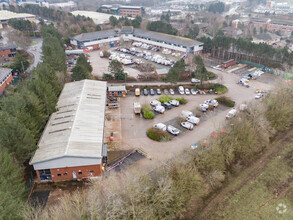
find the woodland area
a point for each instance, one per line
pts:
(242, 48)
(23, 116)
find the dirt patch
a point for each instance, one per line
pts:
(56, 191)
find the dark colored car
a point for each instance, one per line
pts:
(152, 92)
(167, 105)
(145, 92)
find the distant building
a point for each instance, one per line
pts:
(72, 143)
(5, 78)
(265, 24)
(268, 38)
(123, 10)
(232, 32)
(160, 40)
(7, 51)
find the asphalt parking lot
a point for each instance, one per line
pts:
(134, 127)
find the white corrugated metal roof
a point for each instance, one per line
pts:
(76, 129)
(116, 88)
(6, 15)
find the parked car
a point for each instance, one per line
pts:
(174, 103)
(181, 90)
(166, 92)
(152, 92)
(193, 80)
(193, 92)
(187, 92)
(187, 125)
(167, 105)
(231, 113)
(159, 108)
(258, 95)
(155, 102)
(171, 92)
(212, 102)
(145, 92)
(159, 92)
(193, 146)
(160, 126)
(192, 119)
(137, 92)
(173, 130)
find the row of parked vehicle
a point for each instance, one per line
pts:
(139, 53)
(161, 107)
(189, 123)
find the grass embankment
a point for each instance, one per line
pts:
(186, 183)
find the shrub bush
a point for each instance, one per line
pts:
(147, 112)
(107, 76)
(106, 54)
(226, 101)
(158, 135)
(220, 89)
(165, 98)
(182, 100)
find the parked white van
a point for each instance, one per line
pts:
(160, 126)
(192, 119)
(159, 108)
(185, 114)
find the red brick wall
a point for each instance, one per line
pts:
(4, 85)
(132, 12)
(4, 53)
(86, 172)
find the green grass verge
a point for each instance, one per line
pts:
(226, 101)
(182, 100)
(165, 98)
(158, 135)
(147, 112)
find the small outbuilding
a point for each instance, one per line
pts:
(117, 91)
(161, 72)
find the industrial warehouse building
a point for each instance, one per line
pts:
(95, 40)
(72, 144)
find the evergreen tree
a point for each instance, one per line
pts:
(12, 190)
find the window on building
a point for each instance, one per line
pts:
(79, 172)
(91, 171)
(64, 174)
(59, 174)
